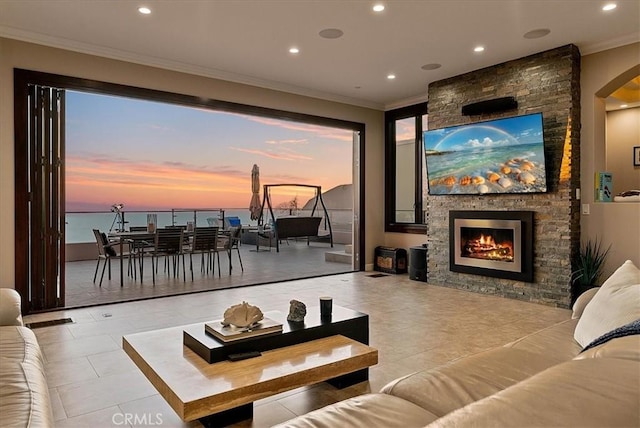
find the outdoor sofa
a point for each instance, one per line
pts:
(296, 227)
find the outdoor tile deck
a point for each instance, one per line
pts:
(294, 261)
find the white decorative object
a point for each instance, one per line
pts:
(242, 315)
(152, 223)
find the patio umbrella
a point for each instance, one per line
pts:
(254, 206)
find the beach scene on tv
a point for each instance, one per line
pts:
(498, 156)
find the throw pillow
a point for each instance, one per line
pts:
(630, 329)
(616, 303)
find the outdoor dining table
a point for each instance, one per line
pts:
(130, 237)
(137, 236)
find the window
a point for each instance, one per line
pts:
(405, 172)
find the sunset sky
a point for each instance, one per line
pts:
(156, 156)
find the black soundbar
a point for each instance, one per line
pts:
(490, 106)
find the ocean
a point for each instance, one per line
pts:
(80, 225)
(454, 166)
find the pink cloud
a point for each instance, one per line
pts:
(280, 156)
(405, 130)
(92, 179)
(325, 132)
(300, 141)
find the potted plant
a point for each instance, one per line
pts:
(587, 267)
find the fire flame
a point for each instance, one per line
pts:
(486, 247)
(487, 240)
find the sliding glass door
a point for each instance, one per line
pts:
(44, 162)
(40, 226)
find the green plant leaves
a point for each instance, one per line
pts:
(589, 263)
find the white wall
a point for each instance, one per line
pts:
(614, 223)
(40, 58)
(623, 133)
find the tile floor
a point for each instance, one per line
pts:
(414, 326)
(295, 260)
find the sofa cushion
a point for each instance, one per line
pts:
(20, 344)
(615, 304)
(24, 394)
(10, 311)
(627, 348)
(369, 410)
(555, 341)
(582, 301)
(596, 392)
(452, 386)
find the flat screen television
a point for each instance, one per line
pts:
(496, 156)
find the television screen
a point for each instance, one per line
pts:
(496, 156)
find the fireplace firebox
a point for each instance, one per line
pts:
(492, 243)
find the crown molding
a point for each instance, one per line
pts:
(120, 55)
(421, 98)
(627, 39)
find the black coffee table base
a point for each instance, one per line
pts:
(349, 379)
(228, 417)
(244, 412)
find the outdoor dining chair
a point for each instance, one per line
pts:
(233, 243)
(169, 244)
(205, 242)
(106, 251)
(141, 248)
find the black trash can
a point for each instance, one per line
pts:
(418, 263)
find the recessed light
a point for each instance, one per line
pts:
(331, 33)
(144, 10)
(391, 76)
(624, 106)
(294, 50)
(609, 6)
(378, 7)
(432, 66)
(478, 49)
(536, 34)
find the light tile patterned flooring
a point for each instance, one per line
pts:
(414, 326)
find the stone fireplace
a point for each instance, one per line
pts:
(492, 243)
(547, 82)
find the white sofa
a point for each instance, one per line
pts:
(540, 380)
(24, 394)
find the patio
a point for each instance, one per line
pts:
(295, 260)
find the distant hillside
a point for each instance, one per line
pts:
(338, 198)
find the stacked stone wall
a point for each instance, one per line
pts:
(549, 83)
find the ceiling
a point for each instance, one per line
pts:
(626, 96)
(248, 41)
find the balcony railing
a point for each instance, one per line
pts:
(79, 224)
